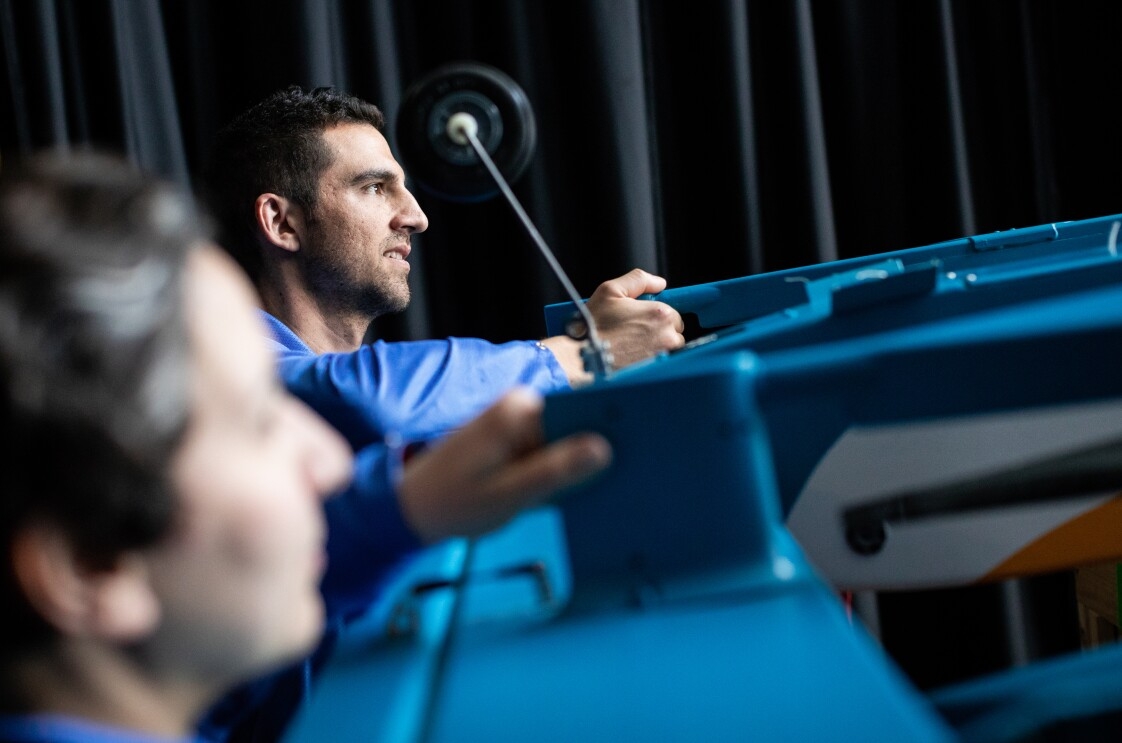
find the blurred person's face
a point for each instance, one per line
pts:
(238, 578)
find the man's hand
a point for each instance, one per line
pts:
(634, 329)
(481, 476)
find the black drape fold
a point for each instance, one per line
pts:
(964, 201)
(616, 31)
(744, 141)
(150, 118)
(814, 135)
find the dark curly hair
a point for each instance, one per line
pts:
(276, 146)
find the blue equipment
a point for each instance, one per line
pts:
(937, 416)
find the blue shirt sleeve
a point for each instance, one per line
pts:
(368, 539)
(415, 390)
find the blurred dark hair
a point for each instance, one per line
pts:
(94, 357)
(276, 146)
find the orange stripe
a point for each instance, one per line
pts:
(1095, 536)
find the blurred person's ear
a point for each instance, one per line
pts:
(114, 603)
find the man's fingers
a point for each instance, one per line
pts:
(498, 464)
(560, 464)
(512, 427)
(663, 315)
(634, 283)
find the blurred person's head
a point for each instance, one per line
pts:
(161, 512)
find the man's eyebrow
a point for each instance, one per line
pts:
(376, 174)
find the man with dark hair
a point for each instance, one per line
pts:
(314, 205)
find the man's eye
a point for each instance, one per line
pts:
(374, 188)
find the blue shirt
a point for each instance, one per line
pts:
(63, 729)
(412, 390)
(381, 398)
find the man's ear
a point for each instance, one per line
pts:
(115, 603)
(279, 220)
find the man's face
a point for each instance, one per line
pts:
(356, 243)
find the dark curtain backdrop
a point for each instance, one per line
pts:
(702, 141)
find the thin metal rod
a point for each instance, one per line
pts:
(593, 336)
